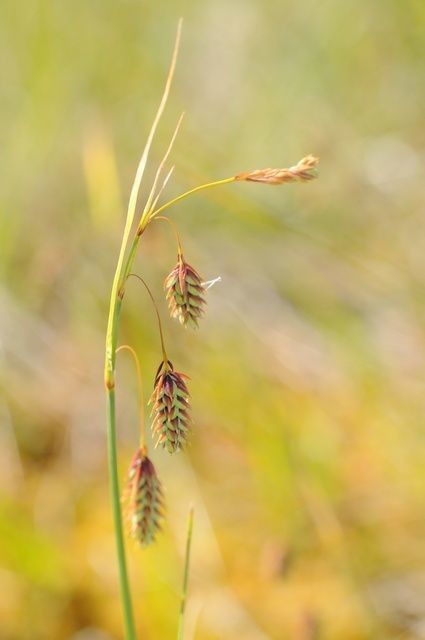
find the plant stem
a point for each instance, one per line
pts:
(130, 632)
(115, 305)
(110, 359)
(180, 630)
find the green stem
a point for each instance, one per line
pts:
(130, 631)
(180, 631)
(111, 346)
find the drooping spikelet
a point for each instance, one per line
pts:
(185, 293)
(304, 171)
(170, 408)
(143, 499)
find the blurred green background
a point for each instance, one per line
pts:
(307, 374)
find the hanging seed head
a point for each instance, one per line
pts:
(143, 499)
(170, 408)
(185, 293)
(304, 171)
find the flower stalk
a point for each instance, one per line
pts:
(158, 317)
(126, 347)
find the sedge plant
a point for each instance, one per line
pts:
(185, 292)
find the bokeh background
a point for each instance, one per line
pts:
(306, 463)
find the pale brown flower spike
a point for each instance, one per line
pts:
(185, 292)
(170, 408)
(304, 171)
(143, 499)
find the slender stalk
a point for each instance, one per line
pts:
(180, 631)
(126, 347)
(161, 333)
(176, 232)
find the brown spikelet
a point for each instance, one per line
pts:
(170, 408)
(304, 171)
(143, 499)
(185, 293)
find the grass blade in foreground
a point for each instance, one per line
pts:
(180, 631)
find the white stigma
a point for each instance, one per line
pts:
(210, 283)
